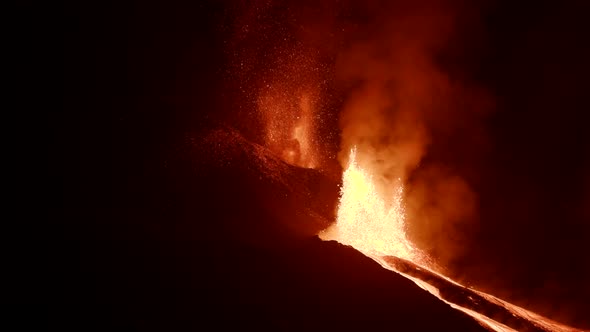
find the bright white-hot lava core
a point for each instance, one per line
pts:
(368, 222)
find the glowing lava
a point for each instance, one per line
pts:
(366, 221)
(376, 227)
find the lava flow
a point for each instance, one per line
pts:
(376, 227)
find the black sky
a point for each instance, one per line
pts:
(142, 244)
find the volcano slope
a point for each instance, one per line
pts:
(222, 236)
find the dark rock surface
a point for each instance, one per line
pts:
(210, 246)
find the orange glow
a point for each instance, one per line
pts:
(289, 125)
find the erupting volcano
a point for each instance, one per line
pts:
(320, 165)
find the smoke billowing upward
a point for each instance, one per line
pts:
(402, 103)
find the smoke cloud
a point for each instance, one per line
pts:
(403, 106)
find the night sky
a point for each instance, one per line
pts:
(154, 236)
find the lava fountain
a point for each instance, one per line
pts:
(367, 222)
(376, 227)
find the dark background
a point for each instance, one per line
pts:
(144, 241)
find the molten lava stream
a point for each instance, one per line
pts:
(376, 228)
